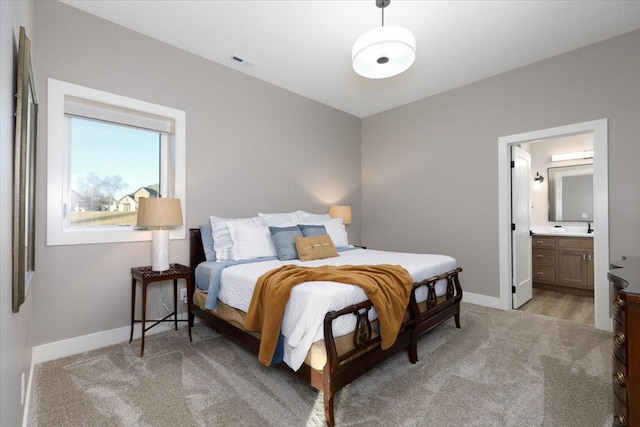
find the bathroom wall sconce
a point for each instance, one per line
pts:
(538, 178)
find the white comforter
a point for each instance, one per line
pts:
(302, 324)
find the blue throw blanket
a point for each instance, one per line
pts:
(209, 273)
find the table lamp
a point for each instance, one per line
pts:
(159, 212)
(343, 212)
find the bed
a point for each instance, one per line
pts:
(341, 340)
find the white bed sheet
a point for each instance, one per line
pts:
(303, 319)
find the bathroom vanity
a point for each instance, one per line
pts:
(563, 263)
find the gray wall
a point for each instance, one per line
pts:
(251, 147)
(15, 329)
(430, 168)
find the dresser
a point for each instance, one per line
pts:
(562, 263)
(624, 279)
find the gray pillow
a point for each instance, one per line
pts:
(283, 241)
(207, 242)
(312, 230)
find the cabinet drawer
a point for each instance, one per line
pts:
(575, 243)
(619, 341)
(617, 305)
(619, 371)
(543, 256)
(619, 413)
(543, 274)
(543, 242)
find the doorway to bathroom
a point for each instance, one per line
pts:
(598, 130)
(559, 192)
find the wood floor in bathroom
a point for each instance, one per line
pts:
(563, 306)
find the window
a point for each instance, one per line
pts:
(111, 167)
(105, 152)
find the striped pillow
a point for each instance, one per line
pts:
(222, 242)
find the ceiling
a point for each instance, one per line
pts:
(305, 46)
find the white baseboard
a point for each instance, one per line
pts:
(483, 300)
(27, 398)
(56, 350)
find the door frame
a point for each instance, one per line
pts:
(599, 130)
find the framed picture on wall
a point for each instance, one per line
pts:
(24, 174)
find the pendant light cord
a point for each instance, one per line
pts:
(383, 16)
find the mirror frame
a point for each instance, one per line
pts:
(571, 170)
(24, 174)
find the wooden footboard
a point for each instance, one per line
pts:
(434, 310)
(342, 369)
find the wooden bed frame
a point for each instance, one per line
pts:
(342, 369)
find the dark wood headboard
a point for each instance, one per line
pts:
(196, 251)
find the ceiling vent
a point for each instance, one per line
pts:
(240, 60)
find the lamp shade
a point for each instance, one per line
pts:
(343, 212)
(159, 212)
(383, 52)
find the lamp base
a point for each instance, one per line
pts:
(160, 257)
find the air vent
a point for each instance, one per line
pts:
(241, 60)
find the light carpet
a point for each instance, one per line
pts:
(501, 369)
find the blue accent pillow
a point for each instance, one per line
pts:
(207, 242)
(312, 230)
(283, 241)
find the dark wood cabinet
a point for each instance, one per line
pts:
(624, 278)
(563, 264)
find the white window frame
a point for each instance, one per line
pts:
(173, 169)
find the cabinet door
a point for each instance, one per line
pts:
(573, 268)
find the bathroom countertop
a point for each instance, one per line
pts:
(565, 230)
(565, 234)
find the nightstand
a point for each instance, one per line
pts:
(146, 276)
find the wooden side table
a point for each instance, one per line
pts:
(146, 276)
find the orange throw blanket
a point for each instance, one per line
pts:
(387, 286)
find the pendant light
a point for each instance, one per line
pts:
(385, 51)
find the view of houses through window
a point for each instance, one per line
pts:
(112, 167)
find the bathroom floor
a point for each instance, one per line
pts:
(562, 306)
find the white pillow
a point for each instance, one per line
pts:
(306, 217)
(222, 242)
(335, 230)
(280, 219)
(250, 240)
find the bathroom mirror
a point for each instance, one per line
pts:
(571, 193)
